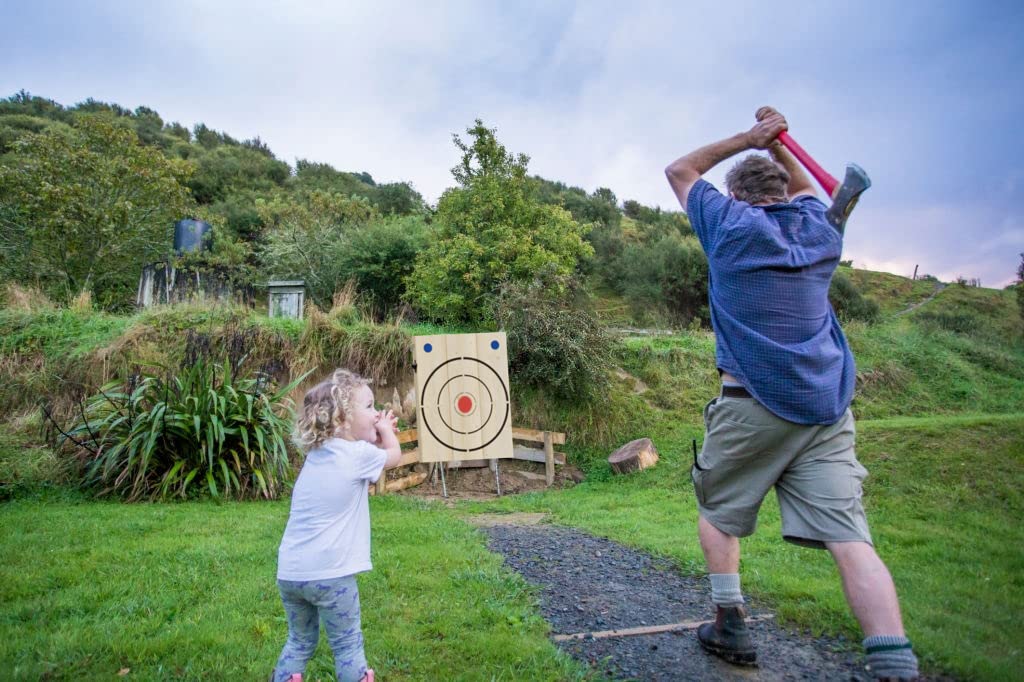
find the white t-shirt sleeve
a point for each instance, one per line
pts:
(368, 460)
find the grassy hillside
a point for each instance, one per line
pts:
(960, 352)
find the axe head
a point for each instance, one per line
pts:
(846, 195)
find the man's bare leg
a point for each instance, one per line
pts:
(871, 594)
(868, 588)
(728, 636)
(721, 550)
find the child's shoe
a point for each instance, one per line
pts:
(368, 677)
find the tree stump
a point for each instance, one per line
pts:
(634, 456)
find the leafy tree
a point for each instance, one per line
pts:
(15, 126)
(310, 175)
(148, 125)
(92, 106)
(210, 138)
(491, 230)
(398, 198)
(601, 207)
(226, 168)
(238, 209)
(23, 102)
(304, 235)
(85, 212)
(179, 131)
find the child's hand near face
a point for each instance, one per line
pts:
(387, 423)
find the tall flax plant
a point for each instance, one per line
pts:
(161, 436)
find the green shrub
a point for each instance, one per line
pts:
(379, 255)
(670, 272)
(156, 436)
(848, 302)
(553, 342)
(959, 321)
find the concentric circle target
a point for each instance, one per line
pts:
(467, 401)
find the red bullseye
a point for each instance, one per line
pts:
(464, 404)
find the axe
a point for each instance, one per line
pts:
(844, 196)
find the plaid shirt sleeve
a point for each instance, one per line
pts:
(706, 207)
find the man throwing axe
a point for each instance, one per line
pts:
(782, 419)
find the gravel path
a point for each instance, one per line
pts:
(591, 584)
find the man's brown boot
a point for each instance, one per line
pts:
(728, 637)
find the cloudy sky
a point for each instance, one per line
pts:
(926, 96)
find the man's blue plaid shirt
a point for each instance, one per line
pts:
(769, 273)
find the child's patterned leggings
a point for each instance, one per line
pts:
(336, 603)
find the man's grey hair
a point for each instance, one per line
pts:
(757, 180)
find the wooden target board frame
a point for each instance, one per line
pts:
(464, 407)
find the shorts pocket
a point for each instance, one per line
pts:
(697, 475)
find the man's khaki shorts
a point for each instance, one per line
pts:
(816, 475)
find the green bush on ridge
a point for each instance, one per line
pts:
(849, 303)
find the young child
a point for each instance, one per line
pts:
(327, 539)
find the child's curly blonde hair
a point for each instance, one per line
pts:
(325, 408)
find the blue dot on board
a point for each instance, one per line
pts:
(494, 345)
(428, 347)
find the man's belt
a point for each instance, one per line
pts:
(735, 392)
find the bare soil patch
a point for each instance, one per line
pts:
(517, 476)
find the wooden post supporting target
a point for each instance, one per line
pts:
(464, 406)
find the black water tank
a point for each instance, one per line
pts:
(189, 234)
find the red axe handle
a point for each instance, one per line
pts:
(820, 174)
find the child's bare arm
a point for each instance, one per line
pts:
(387, 427)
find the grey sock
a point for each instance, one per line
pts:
(725, 589)
(891, 656)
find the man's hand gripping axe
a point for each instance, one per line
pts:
(845, 195)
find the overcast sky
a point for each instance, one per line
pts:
(926, 96)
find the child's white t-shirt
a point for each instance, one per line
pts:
(328, 531)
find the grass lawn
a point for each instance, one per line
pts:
(187, 591)
(944, 499)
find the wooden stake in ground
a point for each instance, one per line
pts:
(634, 456)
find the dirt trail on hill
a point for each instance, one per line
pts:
(938, 287)
(590, 584)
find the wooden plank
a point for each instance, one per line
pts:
(533, 455)
(408, 436)
(409, 457)
(549, 460)
(645, 630)
(406, 481)
(464, 385)
(492, 352)
(400, 483)
(431, 411)
(535, 436)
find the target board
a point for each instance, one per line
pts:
(462, 383)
